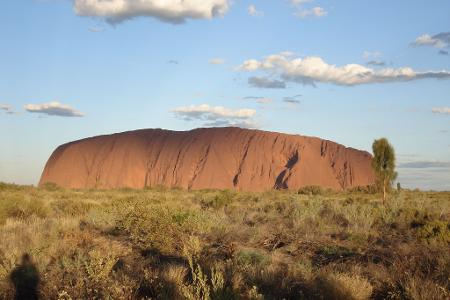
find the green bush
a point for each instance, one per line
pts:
(159, 227)
(311, 190)
(435, 230)
(252, 258)
(217, 200)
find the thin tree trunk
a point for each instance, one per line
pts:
(384, 189)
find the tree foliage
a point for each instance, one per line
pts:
(383, 164)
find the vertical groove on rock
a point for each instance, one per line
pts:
(200, 166)
(239, 170)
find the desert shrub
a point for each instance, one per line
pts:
(252, 258)
(4, 187)
(328, 254)
(99, 264)
(421, 289)
(216, 200)
(199, 288)
(159, 227)
(311, 190)
(200, 285)
(20, 207)
(367, 189)
(72, 207)
(51, 187)
(435, 230)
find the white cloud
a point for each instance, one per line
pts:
(249, 65)
(213, 112)
(172, 11)
(217, 115)
(254, 12)
(312, 69)
(440, 40)
(53, 109)
(315, 12)
(441, 110)
(217, 61)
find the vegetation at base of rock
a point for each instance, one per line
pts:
(173, 244)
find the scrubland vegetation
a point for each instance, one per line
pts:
(174, 244)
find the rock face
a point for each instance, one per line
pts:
(222, 158)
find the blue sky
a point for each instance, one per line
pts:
(349, 71)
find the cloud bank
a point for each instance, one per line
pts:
(425, 178)
(424, 164)
(426, 174)
(313, 69)
(217, 116)
(53, 109)
(171, 11)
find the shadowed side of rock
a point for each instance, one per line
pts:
(222, 158)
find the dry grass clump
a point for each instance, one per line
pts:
(165, 243)
(344, 286)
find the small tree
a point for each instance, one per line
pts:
(383, 164)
